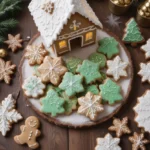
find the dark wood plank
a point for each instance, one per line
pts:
(53, 137)
(86, 139)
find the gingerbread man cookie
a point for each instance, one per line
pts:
(29, 133)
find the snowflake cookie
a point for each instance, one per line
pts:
(6, 69)
(146, 49)
(145, 72)
(117, 68)
(8, 114)
(90, 71)
(120, 127)
(142, 111)
(35, 54)
(52, 70)
(90, 105)
(138, 141)
(108, 143)
(72, 84)
(33, 87)
(110, 92)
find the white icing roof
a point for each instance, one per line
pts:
(50, 25)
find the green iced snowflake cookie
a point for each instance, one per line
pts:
(132, 32)
(98, 58)
(90, 71)
(109, 47)
(110, 92)
(70, 103)
(93, 89)
(52, 103)
(72, 84)
(72, 64)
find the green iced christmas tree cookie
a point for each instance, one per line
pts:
(72, 64)
(55, 88)
(72, 84)
(110, 92)
(90, 71)
(52, 103)
(109, 47)
(132, 33)
(98, 58)
(93, 89)
(70, 103)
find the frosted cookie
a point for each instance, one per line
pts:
(8, 114)
(145, 72)
(132, 33)
(98, 58)
(120, 127)
(33, 87)
(110, 92)
(35, 71)
(142, 111)
(72, 84)
(138, 141)
(52, 70)
(92, 88)
(117, 68)
(72, 64)
(90, 105)
(109, 47)
(29, 133)
(108, 143)
(52, 103)
(146, 49)
(90, 71)
(35, 54)
(6, 70)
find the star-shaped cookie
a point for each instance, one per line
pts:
(52, 70)
(146, 49)
(116, 68)
(138, 141)
(14, 42)
(90, 105)
(35, 54)
(120, 127)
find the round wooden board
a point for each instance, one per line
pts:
(75, 120)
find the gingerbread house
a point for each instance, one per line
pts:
(61, 21)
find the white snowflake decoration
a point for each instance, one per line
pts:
(108, 143)
(146, 49)
(145, 72)
(113, 21)
(142, 109)
(8, 114)
(116, 68)
(33, 87)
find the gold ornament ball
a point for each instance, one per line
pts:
(3, 53)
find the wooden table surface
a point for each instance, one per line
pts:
(58, 138)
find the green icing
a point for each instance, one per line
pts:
(104, 76)
(36, 72)
(108, 46)
(98, 58)
(72, 84)
(70, 103)
(90, 71)
(110, 92)
(52, 103)
(72, 64)
(93, 89)
(133, 33)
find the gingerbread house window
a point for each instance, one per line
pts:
(89, 36)
(62, 44)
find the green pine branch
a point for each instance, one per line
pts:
(1, 40)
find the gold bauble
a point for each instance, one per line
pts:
(3, 53)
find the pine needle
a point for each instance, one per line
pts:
(1, 40)
(9, 23)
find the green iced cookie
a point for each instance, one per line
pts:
(132, 32)
(109, 47)
(110, 92)
(98, 58)
(70, 103)
(72, 64)
(90, 71)
(104, 76)
(93, 89)
(52, 103)
(72, 84)
(35, 71)
(55, 88)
